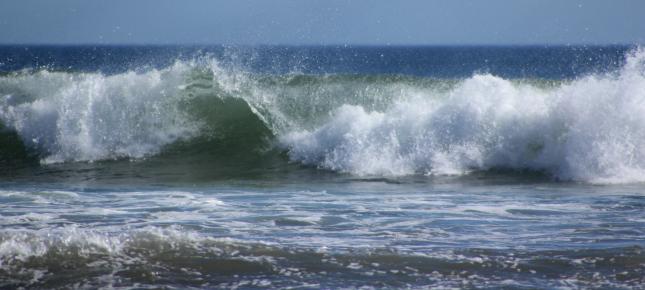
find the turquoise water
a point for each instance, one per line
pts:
(323, 167)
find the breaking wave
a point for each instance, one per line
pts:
(588, 129)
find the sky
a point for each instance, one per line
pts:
(331, 22)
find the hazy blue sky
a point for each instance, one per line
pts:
(322, 22)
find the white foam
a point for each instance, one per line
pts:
(91, 116)
(590, 129)
(23, 244)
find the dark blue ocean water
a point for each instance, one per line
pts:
(322, 167)
(549, 62)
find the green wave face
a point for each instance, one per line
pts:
(191, 107)
(12, 150)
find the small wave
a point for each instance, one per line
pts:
(153, 256)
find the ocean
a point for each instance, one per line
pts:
(201, 167)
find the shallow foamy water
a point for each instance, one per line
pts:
(350, 234)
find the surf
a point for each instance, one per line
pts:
(588, 129)
(585, 129)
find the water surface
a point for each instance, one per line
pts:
(322, 167)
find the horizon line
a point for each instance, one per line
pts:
(328, 44)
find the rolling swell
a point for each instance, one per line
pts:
(587, 129)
